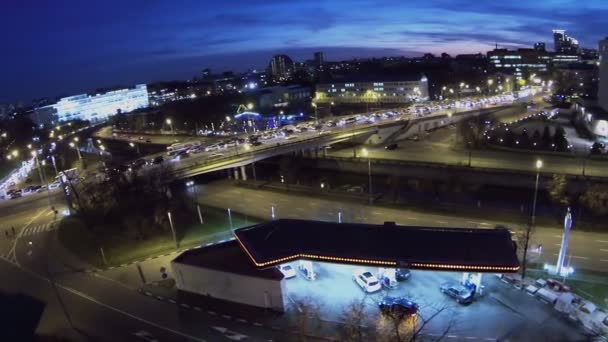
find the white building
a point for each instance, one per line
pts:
(378, 90)
(602, 95)
(99, 107)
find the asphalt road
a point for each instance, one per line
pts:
(588, 250)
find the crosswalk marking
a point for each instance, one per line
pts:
(47, 227)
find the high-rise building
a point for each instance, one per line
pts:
(563, 43)
(520, 62)
(540, 46)
(602, 95)
(319, 59)
(280, 67)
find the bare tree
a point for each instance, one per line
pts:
(356, 322)
(308, 320)
(398, 327)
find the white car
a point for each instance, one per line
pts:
(287, 270)
(54, 186)
(213, 147)
(366, 280)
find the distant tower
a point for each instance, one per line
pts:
(319, 60)
(280, 67)
(540, 46)
(559, 37)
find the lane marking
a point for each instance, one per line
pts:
(604, 260)
(580, 257)
(602, 241)
(12, 250)
(604, 250)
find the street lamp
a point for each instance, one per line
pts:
(74, 146)
(15, 153)
(170, 123)
(365, 153)
(250, 106)
(539, 165)
(135, 146)
(314, 105)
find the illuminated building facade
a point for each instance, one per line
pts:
(564, 44)
(99, 107)
(381, 89)
(520, 62)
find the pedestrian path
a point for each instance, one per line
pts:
(47, 227)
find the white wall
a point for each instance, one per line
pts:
(260, 292)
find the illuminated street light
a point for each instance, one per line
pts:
(365, 153)
(250, 106)
(15, 153)
(539, 164)
(490, 82)
(170, 123)
(29, 146)
(228, 118)
(4, 135)
(76, 139)
(9, 157)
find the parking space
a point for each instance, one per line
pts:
(486, 318)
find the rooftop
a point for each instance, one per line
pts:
(354, 78)
(390, 245)
(227, 257)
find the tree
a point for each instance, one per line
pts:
(558, 190)
(596, 199)
(397, 327)
(524, 140)
(546, 140)
(356, 322)
(559, 139)
(308, 320)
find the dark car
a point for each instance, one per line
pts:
(402, 274)
(256, 143)
(138, 163)
(397, 306)
(461, 294)
(158, 160)
(391, 147)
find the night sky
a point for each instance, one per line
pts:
(58, 47)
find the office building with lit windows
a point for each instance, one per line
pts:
(99, 107)
(520, 62)
(564, 44)
(379, 89)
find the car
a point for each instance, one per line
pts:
(366, 280)
(140, 138)
(256, 143)
(216, 155)
(148, 141)
(212, 147)
(402, 274)
(42, 188)
(397, 306)
(14, 194)
(287, 270)
(391, 147)
(158, 160)
(138, 163)
(54, 185)
(461, 294)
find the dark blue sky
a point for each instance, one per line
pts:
(64, 47)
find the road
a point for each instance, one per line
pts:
(588, 250)
(101, 308)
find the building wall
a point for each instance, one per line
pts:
(371, 92)
(101, 106)
(260, 292)
(603, 86)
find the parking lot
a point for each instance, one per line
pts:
(500, 312)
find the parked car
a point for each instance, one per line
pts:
(158, 160)
(391, 147)
(461, 294)
(397, 306)
(256, 143)
(366, 280)
(287, 270)
(402, 274)
(54, 185)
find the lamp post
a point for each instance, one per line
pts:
(74, 146)
(314, 105)
(528, 232)
(539, 165)
(135, 146)
(170, 123)
(365, 153)
(42, 177)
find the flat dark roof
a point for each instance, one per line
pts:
(388, 245)
(227, 257)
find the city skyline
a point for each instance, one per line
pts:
(73, 51)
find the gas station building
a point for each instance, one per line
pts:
(244, 270)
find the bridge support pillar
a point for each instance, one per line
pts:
(236, 173)
(228, 173)
(243, 173)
